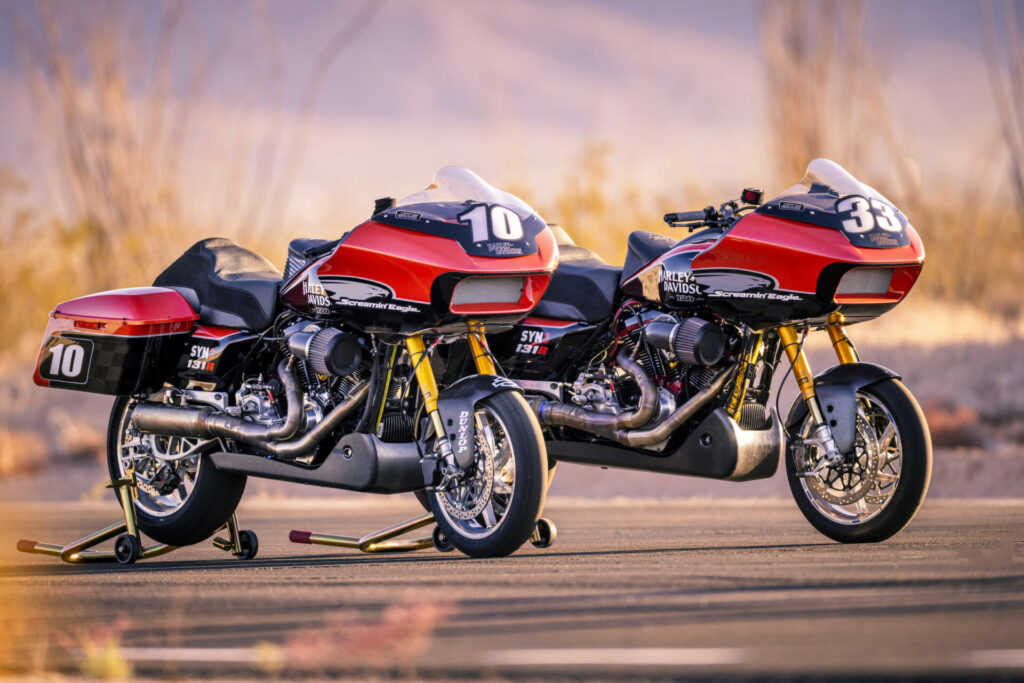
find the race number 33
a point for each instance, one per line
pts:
(67, 360)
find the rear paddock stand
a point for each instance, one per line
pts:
(128, 545)
(544, 534)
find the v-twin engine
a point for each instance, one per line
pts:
(677, 367)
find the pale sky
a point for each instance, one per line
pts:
(514, 90)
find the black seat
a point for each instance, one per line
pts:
(582, 288)
(642, 248)
(228, 285)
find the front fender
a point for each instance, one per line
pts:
(836, 389)
(457, 403)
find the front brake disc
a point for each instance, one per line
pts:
(467, 497)
(834, 484)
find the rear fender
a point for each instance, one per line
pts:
(836, 389)
(457, 403)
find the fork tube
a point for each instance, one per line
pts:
(478, 346)
(425, 378)
(844, 348)
(801, 370)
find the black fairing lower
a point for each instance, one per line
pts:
(836, 389)
(360, 462)
(457, 405)
(716, 449)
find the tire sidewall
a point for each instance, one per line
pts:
(915, 472)
(530, 484)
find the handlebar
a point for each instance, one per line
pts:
(687, 216)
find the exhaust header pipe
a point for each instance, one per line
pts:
(207, 423)
(622, 428)
(566, 415)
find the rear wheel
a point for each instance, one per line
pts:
(182, 498)
(491, 508)
(879, 487)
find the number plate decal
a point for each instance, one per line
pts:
(66, 360)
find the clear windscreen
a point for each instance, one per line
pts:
(826, 174)
(459, 185)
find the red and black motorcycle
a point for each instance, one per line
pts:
(327, 375)
(666, 364)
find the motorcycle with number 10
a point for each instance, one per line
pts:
(328, 374)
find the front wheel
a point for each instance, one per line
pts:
(878, 488)
(491, 509)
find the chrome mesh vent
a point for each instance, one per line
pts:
(488, 290)
(865, 281)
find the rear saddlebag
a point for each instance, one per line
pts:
(121, 342)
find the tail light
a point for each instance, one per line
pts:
(498, 294)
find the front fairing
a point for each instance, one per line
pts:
(460, 206)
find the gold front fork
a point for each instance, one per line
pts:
(425, 372)
(425, 378)
(844, 348)
(478, 346)
(846, 352)
(801, 370)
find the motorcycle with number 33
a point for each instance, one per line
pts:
(666, 364)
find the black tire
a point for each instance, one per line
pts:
(529, 488)
(915, 472)
(209, 506)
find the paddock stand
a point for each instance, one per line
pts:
(128, 545)
(544, 534)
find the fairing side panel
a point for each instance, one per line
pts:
(770, 270)
(541, 348)
(383, 278)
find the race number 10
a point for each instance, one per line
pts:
(68, 361)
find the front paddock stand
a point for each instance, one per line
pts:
(128, 546)
(381, 541)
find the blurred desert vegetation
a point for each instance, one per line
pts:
(116, 106)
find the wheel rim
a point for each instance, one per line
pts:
(476, 505)
(864, 484)
(166, 467)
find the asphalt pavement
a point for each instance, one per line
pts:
(703, 589)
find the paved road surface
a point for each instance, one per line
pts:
(714, 588)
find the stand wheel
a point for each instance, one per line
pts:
(127, 549)
(544, 534)
(441, 541)
(250, 544)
